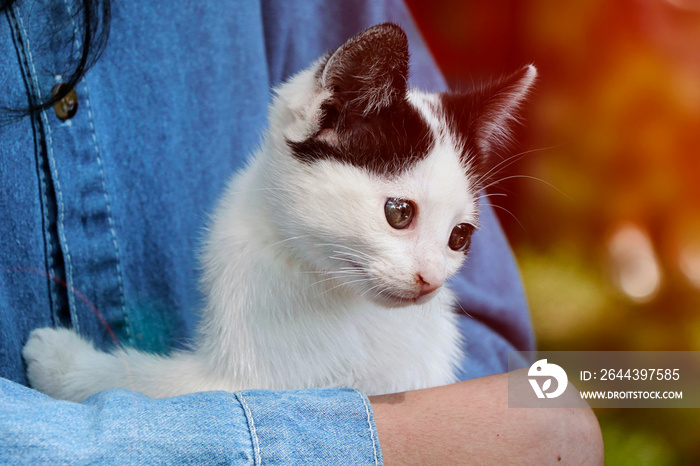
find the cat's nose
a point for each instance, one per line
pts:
(428, 285)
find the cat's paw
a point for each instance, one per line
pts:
(50, 355)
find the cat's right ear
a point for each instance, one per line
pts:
(485, 116)
(366, 74)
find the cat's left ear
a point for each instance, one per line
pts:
(485, 116)
(365, 75)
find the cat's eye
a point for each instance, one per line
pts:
(399, 212)
(461, 237)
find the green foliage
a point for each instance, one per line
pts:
(635, 446)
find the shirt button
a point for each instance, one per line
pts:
(65, 108)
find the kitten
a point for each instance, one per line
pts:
(326, 261)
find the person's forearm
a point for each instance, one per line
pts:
(470, 422)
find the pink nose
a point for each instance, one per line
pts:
(426, 287)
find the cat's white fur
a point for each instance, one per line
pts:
(306, 283)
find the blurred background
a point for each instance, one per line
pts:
(603, 208)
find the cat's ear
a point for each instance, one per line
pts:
(365, 75)
(486, 116)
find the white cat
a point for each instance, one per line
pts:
(327, 256)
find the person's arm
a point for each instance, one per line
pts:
(470, 422)
(333, 426)
(465, 422)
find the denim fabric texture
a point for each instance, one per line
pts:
(101, 216)
(248, 427)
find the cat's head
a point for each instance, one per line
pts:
(376, 184)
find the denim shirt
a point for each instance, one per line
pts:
(101, 216)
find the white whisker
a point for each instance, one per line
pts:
(283, 241)
(371, 289)
(356, 251)
(366, 279)
(486, 195)
(496, 206)
(508, 161)
(528, 178)
(337, 275)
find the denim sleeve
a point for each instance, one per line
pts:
(251, 427)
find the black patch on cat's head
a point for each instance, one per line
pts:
(482, 118)
(367, 121)
(388, 142)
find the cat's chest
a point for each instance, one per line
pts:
(374, 349)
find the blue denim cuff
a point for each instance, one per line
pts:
(325, 426)
(320, 426)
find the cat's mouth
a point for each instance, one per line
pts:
(393, 299)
